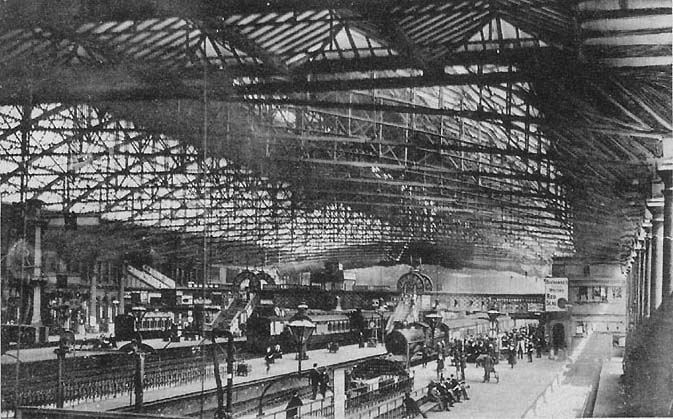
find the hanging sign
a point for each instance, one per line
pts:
(555, 294)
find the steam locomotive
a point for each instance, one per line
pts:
(414, 338)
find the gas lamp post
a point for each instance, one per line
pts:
(301, 328)
(433, 318)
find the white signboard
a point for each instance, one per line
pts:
(555, 294)
(535, 307)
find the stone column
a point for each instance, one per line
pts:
(93, 323)
(648, 268)
(122, 282)
(339, 393)
(643, 280)
(36, 319)
(656, 207)
(667, 270)
(638, 270)
(631, 291)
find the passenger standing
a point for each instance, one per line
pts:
(511, 356)
(324, 382)
(292, 409)
(411, 407)
(314, 380)
(520, 345)
(530, 351)
(440, 366)
(487, 363)
(268, 359)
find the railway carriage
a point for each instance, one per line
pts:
(153, 324)
(267, 326)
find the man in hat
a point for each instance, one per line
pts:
(314, 379)
(292, 410)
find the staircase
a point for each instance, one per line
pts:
(142, 279)
(230, 317)
(405, 311)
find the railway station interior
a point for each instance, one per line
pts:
(336, 208)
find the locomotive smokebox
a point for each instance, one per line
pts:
(397, 341)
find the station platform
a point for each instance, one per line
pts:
(610, 400)
(545, 388)
(47, 352)
(285, 365)
(509, 398)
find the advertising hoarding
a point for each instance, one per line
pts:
(555, 294)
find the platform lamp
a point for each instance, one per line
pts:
(65, 345)
(381, 311)
(138, 313)
(493, 314)
(301, 328)
(115, 304)
(433, 318)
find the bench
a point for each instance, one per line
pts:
(426, 404)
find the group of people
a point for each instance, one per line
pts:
(523, 341)
(445, 392)
(319, 380)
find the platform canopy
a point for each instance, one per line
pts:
(366, 130)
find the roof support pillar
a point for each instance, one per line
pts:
(647, 296)
(665, 169)
(667, 270)
(656, 207)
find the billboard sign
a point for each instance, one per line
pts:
(555, 294)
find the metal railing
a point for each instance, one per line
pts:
(389, 409)
(323, 408)
(366, 400)
(81, 387)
